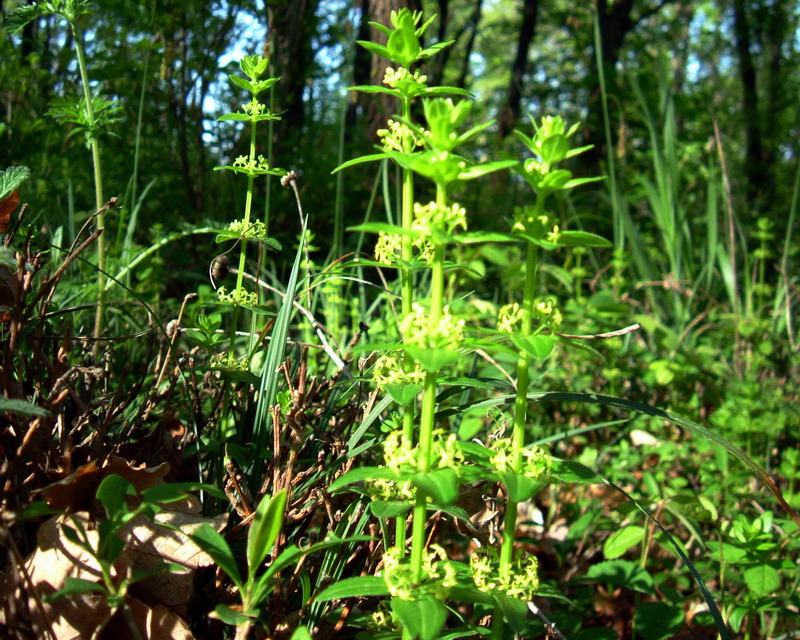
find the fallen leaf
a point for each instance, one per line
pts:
(7, 207)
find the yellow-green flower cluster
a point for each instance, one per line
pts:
(509, 317)
(520, 579)
(383, 618)
(388, 369)
(526, 220)
(397, 135)
(400, 76)
(257, 229)
(401, 457)
(439, 572)
(432, 216)
(387, 248)
(238, 296)
(254, 108)
(228, 361)
(382, 489)
(536, 461)
(257, 164)
(548, 313)
(418, 330)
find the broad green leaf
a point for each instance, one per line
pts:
(22, 408)
(377, 49)
(762, 579)
(479, 170)
(657, 621)
(214, 545)
(423, 618)
(266, 526)
(241, 82)
(582, 239)
(622, 573)
(231, 617)
(433, 360)
(538, 346)
(354, 587)
(440, 485)
(301, 633)
(402, 394)
(371, 88)
(111, 493)
(389, 508)
(403, 46)
(12, 178)
(570, 471)
(519, 487)
(514, 611)
(577, 182)
(621, 540)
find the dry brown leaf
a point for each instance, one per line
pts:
(76, 492)
(7, 206)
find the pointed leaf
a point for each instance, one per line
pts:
(440, 485)
(354, 587)
(214, 545)
(582, 239)
(423, 618)
(264, 531)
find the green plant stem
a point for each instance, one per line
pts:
(98, 186)
(246, 223)
(407, 296)
(428, 409)
(520, 416)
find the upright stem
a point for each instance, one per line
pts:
(99, 200)
(407, 293)
(245, 224)
(520, 415)
(428, 410)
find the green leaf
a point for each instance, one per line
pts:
(74, 586)
(403, 44)
(519, 487)
(423, 618)
(582, 239)
(385, 227)
(15, 21)
(475, 237)
(538, 346)
(354, 587)
(214, 545)
(432, 359)
(237, 117)
(440, 485)
(371, 88)
(377, 49)
(368, 158)
(174, 491)
(264, 531)
(241, 82)
(479, 170)
(361, 474)
(577, 182)
(389, 508)
(762, 579)
(622, 573)
(514, 611)
(231, 617)
(657, 621)
(569, 471)
(621, 540)
(12, 178)
(404, 393)
(111, 493)
(301, 633)
(22, 408)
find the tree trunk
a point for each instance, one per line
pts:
(292, 26)
(509, 113)
(753, 165)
